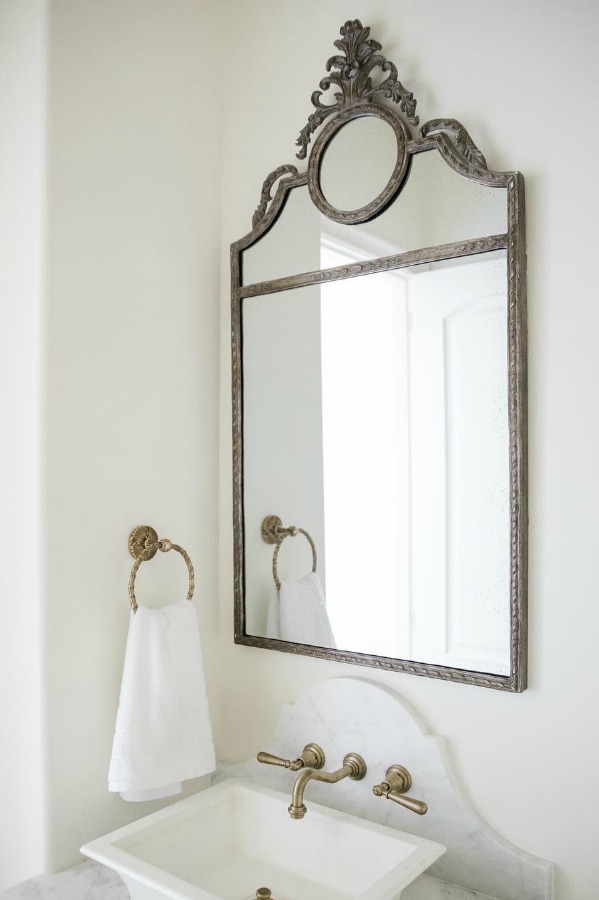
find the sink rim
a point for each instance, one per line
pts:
(105, 850)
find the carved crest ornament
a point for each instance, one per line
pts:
(364, 82)
(352, 74)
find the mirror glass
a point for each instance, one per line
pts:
(435, 206)
(375, 417)
(358, 162)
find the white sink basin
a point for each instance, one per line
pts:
(229, 840)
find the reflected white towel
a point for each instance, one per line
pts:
(273, 620)
(163, 734)
(301, 614)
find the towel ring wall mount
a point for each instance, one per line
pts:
(273, 532)
(143, 545)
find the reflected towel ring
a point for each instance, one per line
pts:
(273, 533)
(143, 545)
(293, 533)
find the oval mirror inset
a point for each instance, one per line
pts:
(358, 163)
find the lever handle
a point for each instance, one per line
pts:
(272, 760)
(312, 757)
(417, 806)
(397, 781)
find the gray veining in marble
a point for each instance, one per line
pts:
(85, 881)
(353, 714)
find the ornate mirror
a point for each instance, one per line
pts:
(379, 392)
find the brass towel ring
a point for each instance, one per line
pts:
(143, 545)
(274, 533)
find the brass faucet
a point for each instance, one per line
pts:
(353, 767)
(397, 781)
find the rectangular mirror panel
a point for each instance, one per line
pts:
(375, 417)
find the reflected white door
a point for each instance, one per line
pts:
(459, 483)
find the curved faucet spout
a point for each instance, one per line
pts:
(353, 767)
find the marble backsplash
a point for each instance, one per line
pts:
(353, 714)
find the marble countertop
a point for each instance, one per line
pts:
(85, 881)
(92, 881)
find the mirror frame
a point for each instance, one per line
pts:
(358, 97)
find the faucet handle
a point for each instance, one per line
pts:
(397, 781)
(312, 757)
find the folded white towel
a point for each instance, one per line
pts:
(163, 734)
(300, 615)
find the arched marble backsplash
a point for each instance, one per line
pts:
(353, 714)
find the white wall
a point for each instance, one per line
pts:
(110, 230)
(522, 78)
(130, 374)
(22, 160)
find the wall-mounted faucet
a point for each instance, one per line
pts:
(397, 781)
(353, 767)
(312, 756)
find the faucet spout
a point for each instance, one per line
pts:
(353, 767)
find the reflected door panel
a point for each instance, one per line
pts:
(460, 466)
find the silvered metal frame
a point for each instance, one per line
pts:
(455, 145)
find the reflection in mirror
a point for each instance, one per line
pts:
(375, 417)
(436, 206)
(282, 437)
(292, 246)
(358, 163)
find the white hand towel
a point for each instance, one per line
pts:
(163, 734)
(303, 613)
